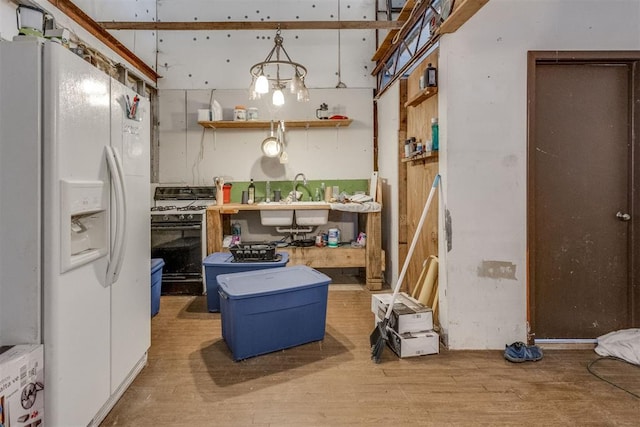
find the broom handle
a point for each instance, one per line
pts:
(414, 241)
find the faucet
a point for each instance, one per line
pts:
(295, 185)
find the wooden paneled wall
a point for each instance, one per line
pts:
(419, 178)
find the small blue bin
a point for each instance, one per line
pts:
(223, 263)
(156, 284)
(269, 310)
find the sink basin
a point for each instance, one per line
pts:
(313, 217)
(309, 202)
(278, 218)
(303, 217)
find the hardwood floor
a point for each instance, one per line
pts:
(191, 380)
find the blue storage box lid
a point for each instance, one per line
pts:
(272, 281)
(225, 259)
(156, 264)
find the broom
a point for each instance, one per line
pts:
(379, 337)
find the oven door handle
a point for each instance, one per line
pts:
(175, 227)
(120, 208)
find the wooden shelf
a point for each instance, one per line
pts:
(426, 155)
(387, 43)
(462, 12)
(423, 95)
(250, 124)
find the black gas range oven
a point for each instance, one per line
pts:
(178, 236)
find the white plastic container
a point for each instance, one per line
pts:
(334, 237)
(216, 110)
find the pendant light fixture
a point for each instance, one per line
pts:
(275, 73)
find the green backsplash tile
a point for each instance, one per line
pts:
(349, 186)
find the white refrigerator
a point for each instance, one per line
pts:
(74, 226)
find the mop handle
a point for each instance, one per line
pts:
(414, 242)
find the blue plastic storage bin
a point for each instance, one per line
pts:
(156, 284)
(269, 310)
(222, 263)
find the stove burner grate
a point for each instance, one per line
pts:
(162, 208)
(192, 208)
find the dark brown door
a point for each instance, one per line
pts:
(581, 182)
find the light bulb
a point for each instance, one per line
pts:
(262, 84)
(278, 97)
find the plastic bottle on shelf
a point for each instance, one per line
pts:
(216, 110)
(267, 192)
(236, 230)
(435, 140)
(252, 192)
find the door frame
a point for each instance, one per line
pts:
(631, 58)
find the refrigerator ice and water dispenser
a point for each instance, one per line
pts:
(84, 221)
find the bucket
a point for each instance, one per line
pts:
(30, 20)
(334, 237)
(226, 193)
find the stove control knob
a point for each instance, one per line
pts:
(190, 216)
(166, 217)
(182, 217)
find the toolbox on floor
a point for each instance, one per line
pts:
(156, 284)
(223, 263)
(268, 310)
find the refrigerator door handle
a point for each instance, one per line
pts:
(117, 181)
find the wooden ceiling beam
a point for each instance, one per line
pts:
(253, 25)
(86, 22)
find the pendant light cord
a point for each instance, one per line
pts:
(340, 84)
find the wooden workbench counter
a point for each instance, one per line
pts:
(371, 257)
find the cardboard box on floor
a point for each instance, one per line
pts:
(408, 314)
(21, 385)
(412, 344)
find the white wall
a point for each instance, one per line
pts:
(191, 155)
(194, 63)
(388, 125)
(7, 19)
(483, 110)
(140, 42)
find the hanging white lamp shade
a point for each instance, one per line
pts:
(278, 97)
(262, 84)
(296, 84)
(303, 94)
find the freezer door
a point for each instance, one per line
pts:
(131, 293)
(20, 192)
(77, 305)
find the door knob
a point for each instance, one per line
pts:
(623, 217)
